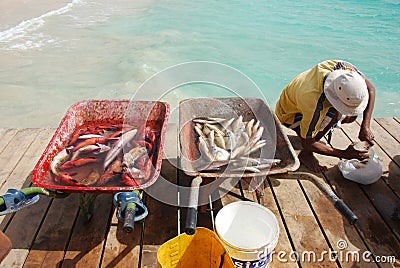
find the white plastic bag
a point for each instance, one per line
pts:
(365, 172)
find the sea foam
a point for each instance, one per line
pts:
(27, 26)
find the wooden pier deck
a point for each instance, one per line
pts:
(50, 233)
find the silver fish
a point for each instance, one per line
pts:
(95, 148)
(249, 160)
(239, 151)
(58, 159)
(201, 121)
(89, 136)
(268, 164)
(227, 123)
(219, 141)
(200, 126)
(230, 140)
(249, 127)
(243, 139)
(259, 161)
(255, 127)
(258, 145)
(218, 153)
(204, 150)
(248, 169)
(206, 130)
(118, 146)
(217, 119)
(256, 136)
(215, 165)
(269, 161)
(237, 124)
(263, 166)
(199, 132)
(208, 120)
(216, 129)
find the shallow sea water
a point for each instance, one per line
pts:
(107, 49)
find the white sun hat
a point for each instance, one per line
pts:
(346, 91)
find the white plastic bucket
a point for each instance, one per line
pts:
(249, 232)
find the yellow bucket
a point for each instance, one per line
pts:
(203, 249)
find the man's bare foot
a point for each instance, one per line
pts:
(308, 159)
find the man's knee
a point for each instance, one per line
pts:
(349, 119)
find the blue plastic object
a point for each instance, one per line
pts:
(121, 201)
(15, 200)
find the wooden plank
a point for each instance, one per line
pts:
(376, 234)
(121, 249)
(203, 216)
(22, 235)
(85, 247)
(235, 193)
(335, 227)
(14, 150)
(391, 126)
(386, 141)
(284, 244)
(149, 256)
(51, 241)
(161, 226)
(392, 177)
(161, 223)
(269, 202)
(5, 246)
(6, 135)
(381, 196)
(298, 219)
(19, 177)
(303, 227)
(22, 232)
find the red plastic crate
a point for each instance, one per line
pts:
(129, 112)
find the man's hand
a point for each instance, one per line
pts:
(351, 153)
(366, 135)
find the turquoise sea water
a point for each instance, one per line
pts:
(106, 49)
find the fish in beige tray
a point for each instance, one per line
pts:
(225, 141)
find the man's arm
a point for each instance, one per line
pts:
(320, 148)
(365, 131)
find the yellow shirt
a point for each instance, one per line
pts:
(304, 97)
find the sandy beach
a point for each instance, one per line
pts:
(14, 12)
